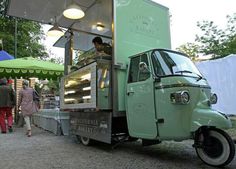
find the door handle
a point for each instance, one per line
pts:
(128, 93)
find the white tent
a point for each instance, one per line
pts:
(221, 75)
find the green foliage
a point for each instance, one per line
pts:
(54, 87)
(215, 41)
(191, 49)
(29, 36)
(57, 60)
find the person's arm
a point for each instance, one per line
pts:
(13, 97)
(19, 99)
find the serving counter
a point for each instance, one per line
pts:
(52, 120)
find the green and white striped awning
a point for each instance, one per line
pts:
(30, 67)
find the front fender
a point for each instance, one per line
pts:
(209, 117)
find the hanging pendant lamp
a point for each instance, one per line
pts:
(55, 30)
(100, 26)
(73, 11)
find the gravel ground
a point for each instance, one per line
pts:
(44, 150)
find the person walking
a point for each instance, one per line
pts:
(7, 102)
(9, 112)
(27, 105)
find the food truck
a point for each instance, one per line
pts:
(142, 90)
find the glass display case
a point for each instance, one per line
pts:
(88, 87)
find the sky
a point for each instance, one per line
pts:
(186, 13)
(184, 17)
(49, 41)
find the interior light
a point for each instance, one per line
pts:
(69, 100)
(105, 73)
(86, 97)
(71, 83)
(100, 26)
(55, 30)
(86, 88)
(86, 76)
(70, 92)
(73, 11)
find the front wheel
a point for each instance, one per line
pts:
(214, 147)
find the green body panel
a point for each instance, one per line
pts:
(136, 31)
(103, 101)
(209, 117)
(178, 120)
(121, 86)
(204, 116)
(177, 117)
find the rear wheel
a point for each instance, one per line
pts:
(215, 147)
(85, 140)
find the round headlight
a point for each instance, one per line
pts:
(185, 97)
(213, 98)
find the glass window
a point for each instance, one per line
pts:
(133, 71)
(78, 88)
(135, 74)
(145, 74)
(156, 65)
(103, 76)
(173, 63)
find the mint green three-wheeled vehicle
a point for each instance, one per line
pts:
(168, 99)
(139, 92)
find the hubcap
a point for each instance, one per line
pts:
(213, 147)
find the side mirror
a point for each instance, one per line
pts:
(213, 98)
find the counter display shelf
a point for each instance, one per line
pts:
(88, 87)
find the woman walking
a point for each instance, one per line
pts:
(27, 104)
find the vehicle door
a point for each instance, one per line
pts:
(140, 100)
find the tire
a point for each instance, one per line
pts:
(77, 138)
(85, 140)
(132, 139)
(218, 150)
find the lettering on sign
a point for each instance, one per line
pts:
(93, 122)
(145, 25)
(92, 126)
(120, 3)
(87, 129)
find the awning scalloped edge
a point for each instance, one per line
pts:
(16, 70)
(30, 71)
(8, 70)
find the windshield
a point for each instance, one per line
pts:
(170, 63)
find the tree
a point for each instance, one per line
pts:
(190, 49)
(29, 36)
(215, 41)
